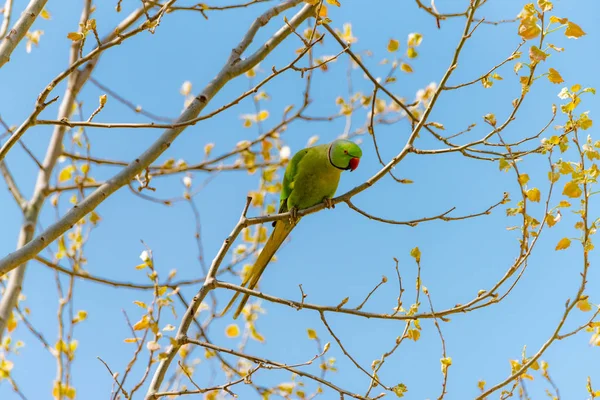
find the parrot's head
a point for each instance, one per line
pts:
(344, 154)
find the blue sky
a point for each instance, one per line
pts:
(333, 254)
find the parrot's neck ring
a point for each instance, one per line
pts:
(331, 161)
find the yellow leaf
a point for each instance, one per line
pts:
(414, 39)
(514, 366)
(347, 34)
(400, 389)
(102, 100)
(12, 323)
(45, 14)
(584, 305)
(523, 179)
(536, 55)
(69, 392)
(81, 316)
(534, 195)
(212, 395)
(566, 168)
(264, 114)
(90, 24)
(446, 362)
(416, 254)
(413, 334)
(551, 220)
(529, 29)
(574, 31)
(576, 87)
(553, 176)
(255, 335)
(323, 11)
(585, 123)
(312, 334)
(393, 45)
(142, 324)
(140, 304)
(406, 68)
(535, 366)
(251, 73)
(524, 80)
(487, 82)
(563, 244)
(481, 385)
(545, 5)
(490, 119)
(232, 331)
(130, 340)
(572, 190)
(411, 53)
(208, 148)
(527, 11)
(554, 19)
(75, 36)
(334, 2)
(554, 76)
(66, 173)
(517, 67)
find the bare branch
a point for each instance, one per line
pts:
(132, 106)
(269, 362)
(12, 185)
(443, 216)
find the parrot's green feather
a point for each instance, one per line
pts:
(288, 179)
(311, 176)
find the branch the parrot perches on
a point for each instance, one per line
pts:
(311, 177)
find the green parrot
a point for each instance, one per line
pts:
(311, 177)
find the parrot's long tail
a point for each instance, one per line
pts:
(281, 231)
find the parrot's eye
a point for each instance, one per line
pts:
(345, 151)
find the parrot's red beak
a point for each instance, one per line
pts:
(353, 164)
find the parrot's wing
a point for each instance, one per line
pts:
(288, 179)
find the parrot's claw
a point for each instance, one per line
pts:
(328, 202)
(293, 215)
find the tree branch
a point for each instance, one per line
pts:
(268, 362)
(12, 185)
